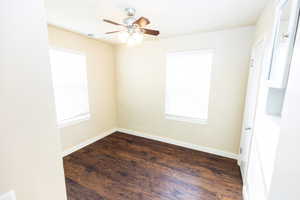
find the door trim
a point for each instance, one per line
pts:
(261, 40)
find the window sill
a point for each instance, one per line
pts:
(74, 121)
(186, 119)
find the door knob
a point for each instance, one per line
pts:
(248, 128)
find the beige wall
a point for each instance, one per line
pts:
(30, 154)
(101, 85)
(141, 88)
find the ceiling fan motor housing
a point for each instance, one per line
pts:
(129, 21)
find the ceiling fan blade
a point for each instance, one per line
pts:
(112, 32)
(112, 22)
(150, 31)
(142, 21)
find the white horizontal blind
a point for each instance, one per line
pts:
(70, 85)
(187, 85)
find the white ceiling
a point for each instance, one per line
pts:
(171, 17)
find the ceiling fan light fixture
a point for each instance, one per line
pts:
(131, 36)
(123, 36)
(131, 42)
(138, 37)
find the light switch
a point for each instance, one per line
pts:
(8, 196)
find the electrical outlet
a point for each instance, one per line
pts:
(8, 196)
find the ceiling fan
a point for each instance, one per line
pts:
(134, 28)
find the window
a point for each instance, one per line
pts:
(187, 85)
(70, 86)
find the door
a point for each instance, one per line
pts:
(250, 106)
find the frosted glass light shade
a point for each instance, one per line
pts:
(123, 36)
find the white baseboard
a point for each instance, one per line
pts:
(239, 159)
(152, 137)
(87, 142)
(180, 143)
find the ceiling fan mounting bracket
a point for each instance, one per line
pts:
(130, 11)
(131, 16)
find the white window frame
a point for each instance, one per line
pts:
(74, 120)
(81, 117)
(184, 118)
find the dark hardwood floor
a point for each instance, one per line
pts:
(125, 167)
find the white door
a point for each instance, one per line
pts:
(250, 106)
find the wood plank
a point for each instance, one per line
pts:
(122, 167)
